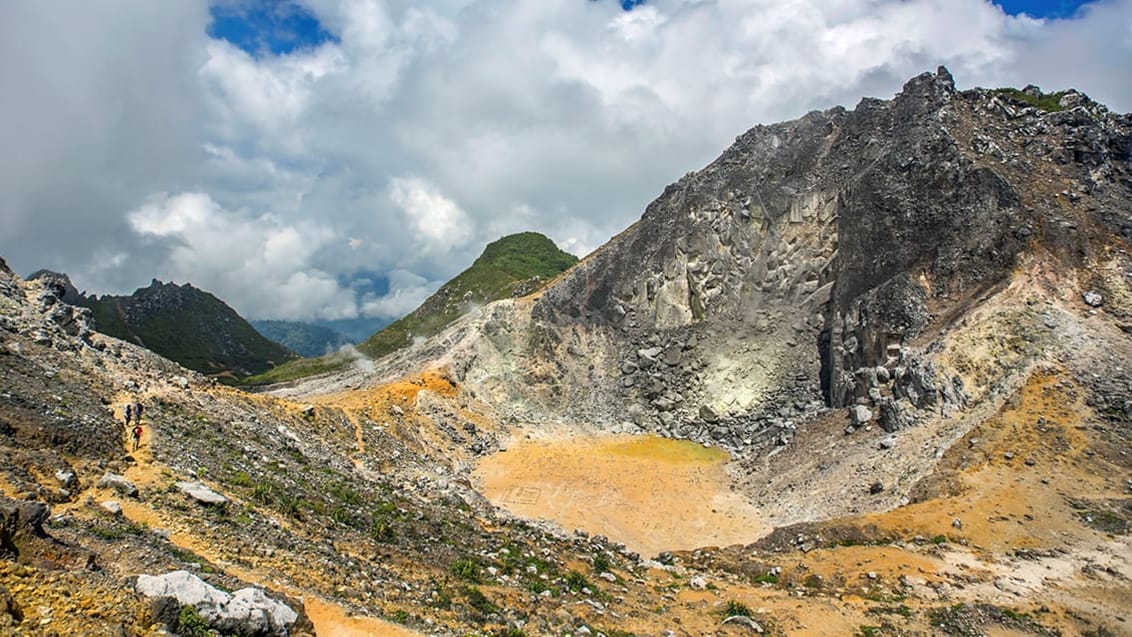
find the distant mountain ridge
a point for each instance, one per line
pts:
(181, 323)
(305, 339)
(514, 265)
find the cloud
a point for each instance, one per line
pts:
(417, 134)
(407, 292)
(437, 222)
(253, 262)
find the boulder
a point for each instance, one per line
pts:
(248, 611)
(65, 477)
(707, 414)
(894, 414)
(860, 415)
(746, 622)
(201, 493)
(1093, 298)
(118, 483)
(113, 507)
(18, 516)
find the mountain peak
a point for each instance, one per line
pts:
(513, 265)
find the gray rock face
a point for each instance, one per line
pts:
(248, 611)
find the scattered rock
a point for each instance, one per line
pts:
(308, 411)
(876, 487)
(112, 507)
(698, 583)
(1093, 298)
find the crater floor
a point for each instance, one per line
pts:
(649, 493)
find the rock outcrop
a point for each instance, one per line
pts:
(248, 612)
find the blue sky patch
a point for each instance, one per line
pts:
(267, 27)
(1042, 8)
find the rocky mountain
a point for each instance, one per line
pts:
(886, 348)
(515, 265)
(305, 339)
(180, 322)
(811, 253)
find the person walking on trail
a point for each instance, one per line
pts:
(137, 412)
(129, 413)
(137, 435)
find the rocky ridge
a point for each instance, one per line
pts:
(180, 322)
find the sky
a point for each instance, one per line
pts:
(340, 159)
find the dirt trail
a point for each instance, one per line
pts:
(328, 618)
(649, 493)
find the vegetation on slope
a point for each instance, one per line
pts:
(1048, 102)
(306, 339)
(189, 326)
(507, 265)
(300, 368)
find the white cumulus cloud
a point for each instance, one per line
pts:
(437, 222)
(422, 131)
(251, 262)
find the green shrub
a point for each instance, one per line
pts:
(575, 581)
(191, 624)
(478, 601)
(736, 609)
(1048, 102)
(466, 570)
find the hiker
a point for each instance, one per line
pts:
(137, 412)
(129, 412)
(137, 435)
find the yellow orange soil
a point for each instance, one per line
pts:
(649, 493)
(332, 620)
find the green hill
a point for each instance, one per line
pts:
(514, 265)
(181, 323)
